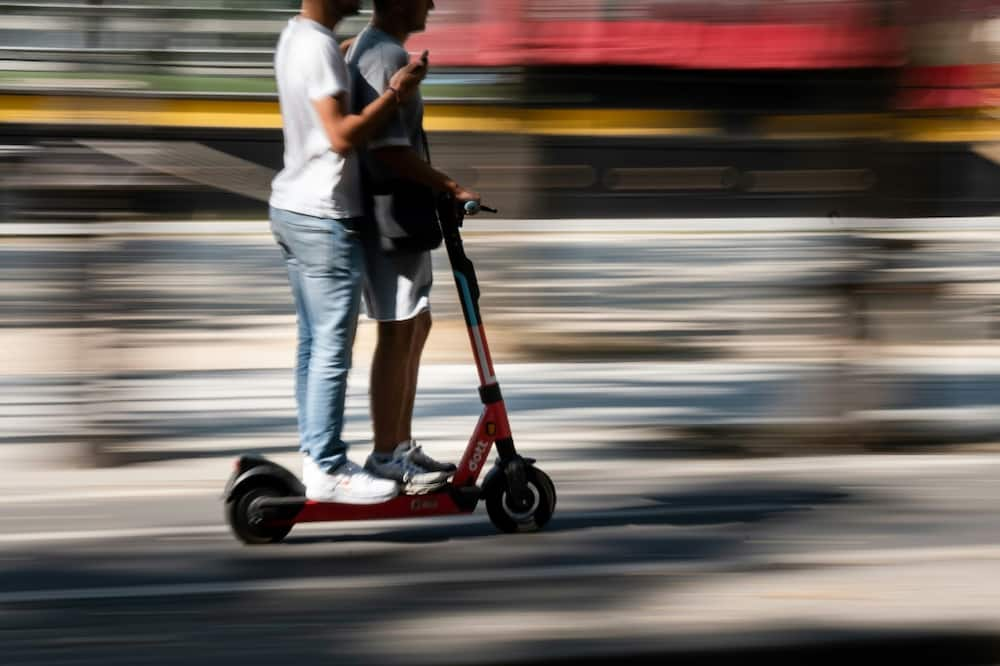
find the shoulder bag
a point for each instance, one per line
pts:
(405, 214)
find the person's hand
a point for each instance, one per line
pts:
(408, 78)
(462, 195)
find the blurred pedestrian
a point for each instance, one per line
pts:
(402, 184)
(316, 216)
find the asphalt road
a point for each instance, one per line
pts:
(691, 559)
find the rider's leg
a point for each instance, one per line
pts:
(389, 381)
(421, 329)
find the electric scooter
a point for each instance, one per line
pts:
(263, 500)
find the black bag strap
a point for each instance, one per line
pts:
(423, 137)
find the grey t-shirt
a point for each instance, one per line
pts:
(373, 58)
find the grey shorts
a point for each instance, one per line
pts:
(398, 286)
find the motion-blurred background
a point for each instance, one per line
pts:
(728, 229)
(702, 181)
(632, 108)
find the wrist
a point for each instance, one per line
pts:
(395, 93)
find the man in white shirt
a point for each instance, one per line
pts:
(316, 210)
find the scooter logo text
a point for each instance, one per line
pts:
(478, 454)
(423, 505)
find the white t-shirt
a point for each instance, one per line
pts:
(315, 180)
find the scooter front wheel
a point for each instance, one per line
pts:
(245, 521)
(505, 516)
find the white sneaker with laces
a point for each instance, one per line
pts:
(348, 484)
(413, 478)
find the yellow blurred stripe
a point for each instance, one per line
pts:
(961, 126)
(583, 122)
(440, 118)
(974, 126)
(45, 109)
(825, 126)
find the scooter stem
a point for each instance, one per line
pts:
(468, 288)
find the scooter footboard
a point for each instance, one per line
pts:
(403, 506)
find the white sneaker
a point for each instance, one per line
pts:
(348, 484)
(414, 479)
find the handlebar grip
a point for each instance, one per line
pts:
(472, 207)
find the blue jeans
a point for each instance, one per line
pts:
(325, 262)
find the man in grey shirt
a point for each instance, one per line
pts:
(397, 286)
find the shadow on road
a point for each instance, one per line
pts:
(704, 506)
(812, 646)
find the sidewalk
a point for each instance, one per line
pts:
(184, 429)
(734, 351)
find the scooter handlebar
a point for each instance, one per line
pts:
(473, 207)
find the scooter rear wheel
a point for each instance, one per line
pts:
(241, 517)
(496, 492)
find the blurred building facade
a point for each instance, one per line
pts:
(117, 116)
(858, 107)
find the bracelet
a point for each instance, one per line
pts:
(395, 91)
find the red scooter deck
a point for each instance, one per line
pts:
(403, 506)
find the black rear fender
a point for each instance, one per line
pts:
(254, 471)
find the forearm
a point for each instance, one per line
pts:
(405, 163)
(361, 127)
(347, 132)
